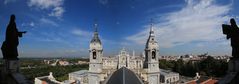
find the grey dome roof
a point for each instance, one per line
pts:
(124, 76)
(95, 38)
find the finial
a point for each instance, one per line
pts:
(95, 25)
(123, 48)
(151, 24)
(151, 27)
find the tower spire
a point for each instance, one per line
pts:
(96, 26)
(95, 37)
(151, 28)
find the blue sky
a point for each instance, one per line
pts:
(63, 28)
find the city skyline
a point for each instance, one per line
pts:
(61, 28)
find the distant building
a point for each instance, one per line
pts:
(193, 58)
(63, 63)
(83, 62)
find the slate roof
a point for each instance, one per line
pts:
(124, 76)
(95, 38)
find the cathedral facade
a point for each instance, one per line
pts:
(146, 68)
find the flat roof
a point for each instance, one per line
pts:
(79, 72)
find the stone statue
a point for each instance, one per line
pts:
(9, 46)
(232, 32)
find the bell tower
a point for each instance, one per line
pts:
(96, 53)
(151, 58)
(151, 52)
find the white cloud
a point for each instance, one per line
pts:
(80, 32)
(57, 12)
(198, 21)
(53, 38)
(45, 4)
(47, 21)
(32, 24)
(54, 5)
(47, 39)
(8, 1)
(104, 2)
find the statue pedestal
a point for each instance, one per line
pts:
(11, 66)
(233, 65)
(232, 75)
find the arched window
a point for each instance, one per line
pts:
(153, 54)
(94, 55)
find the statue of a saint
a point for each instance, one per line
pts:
(232, 32)
(9, 46)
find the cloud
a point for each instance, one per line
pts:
(199, 20)
(53, 38)
(57, 12)
(45, 4)
(8, 1)
(104, 2)
(80, 32)
(30, 24)
(54, 5)
(86, 36)
(48, 21)
(47, 39)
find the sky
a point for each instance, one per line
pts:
(64, 28)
